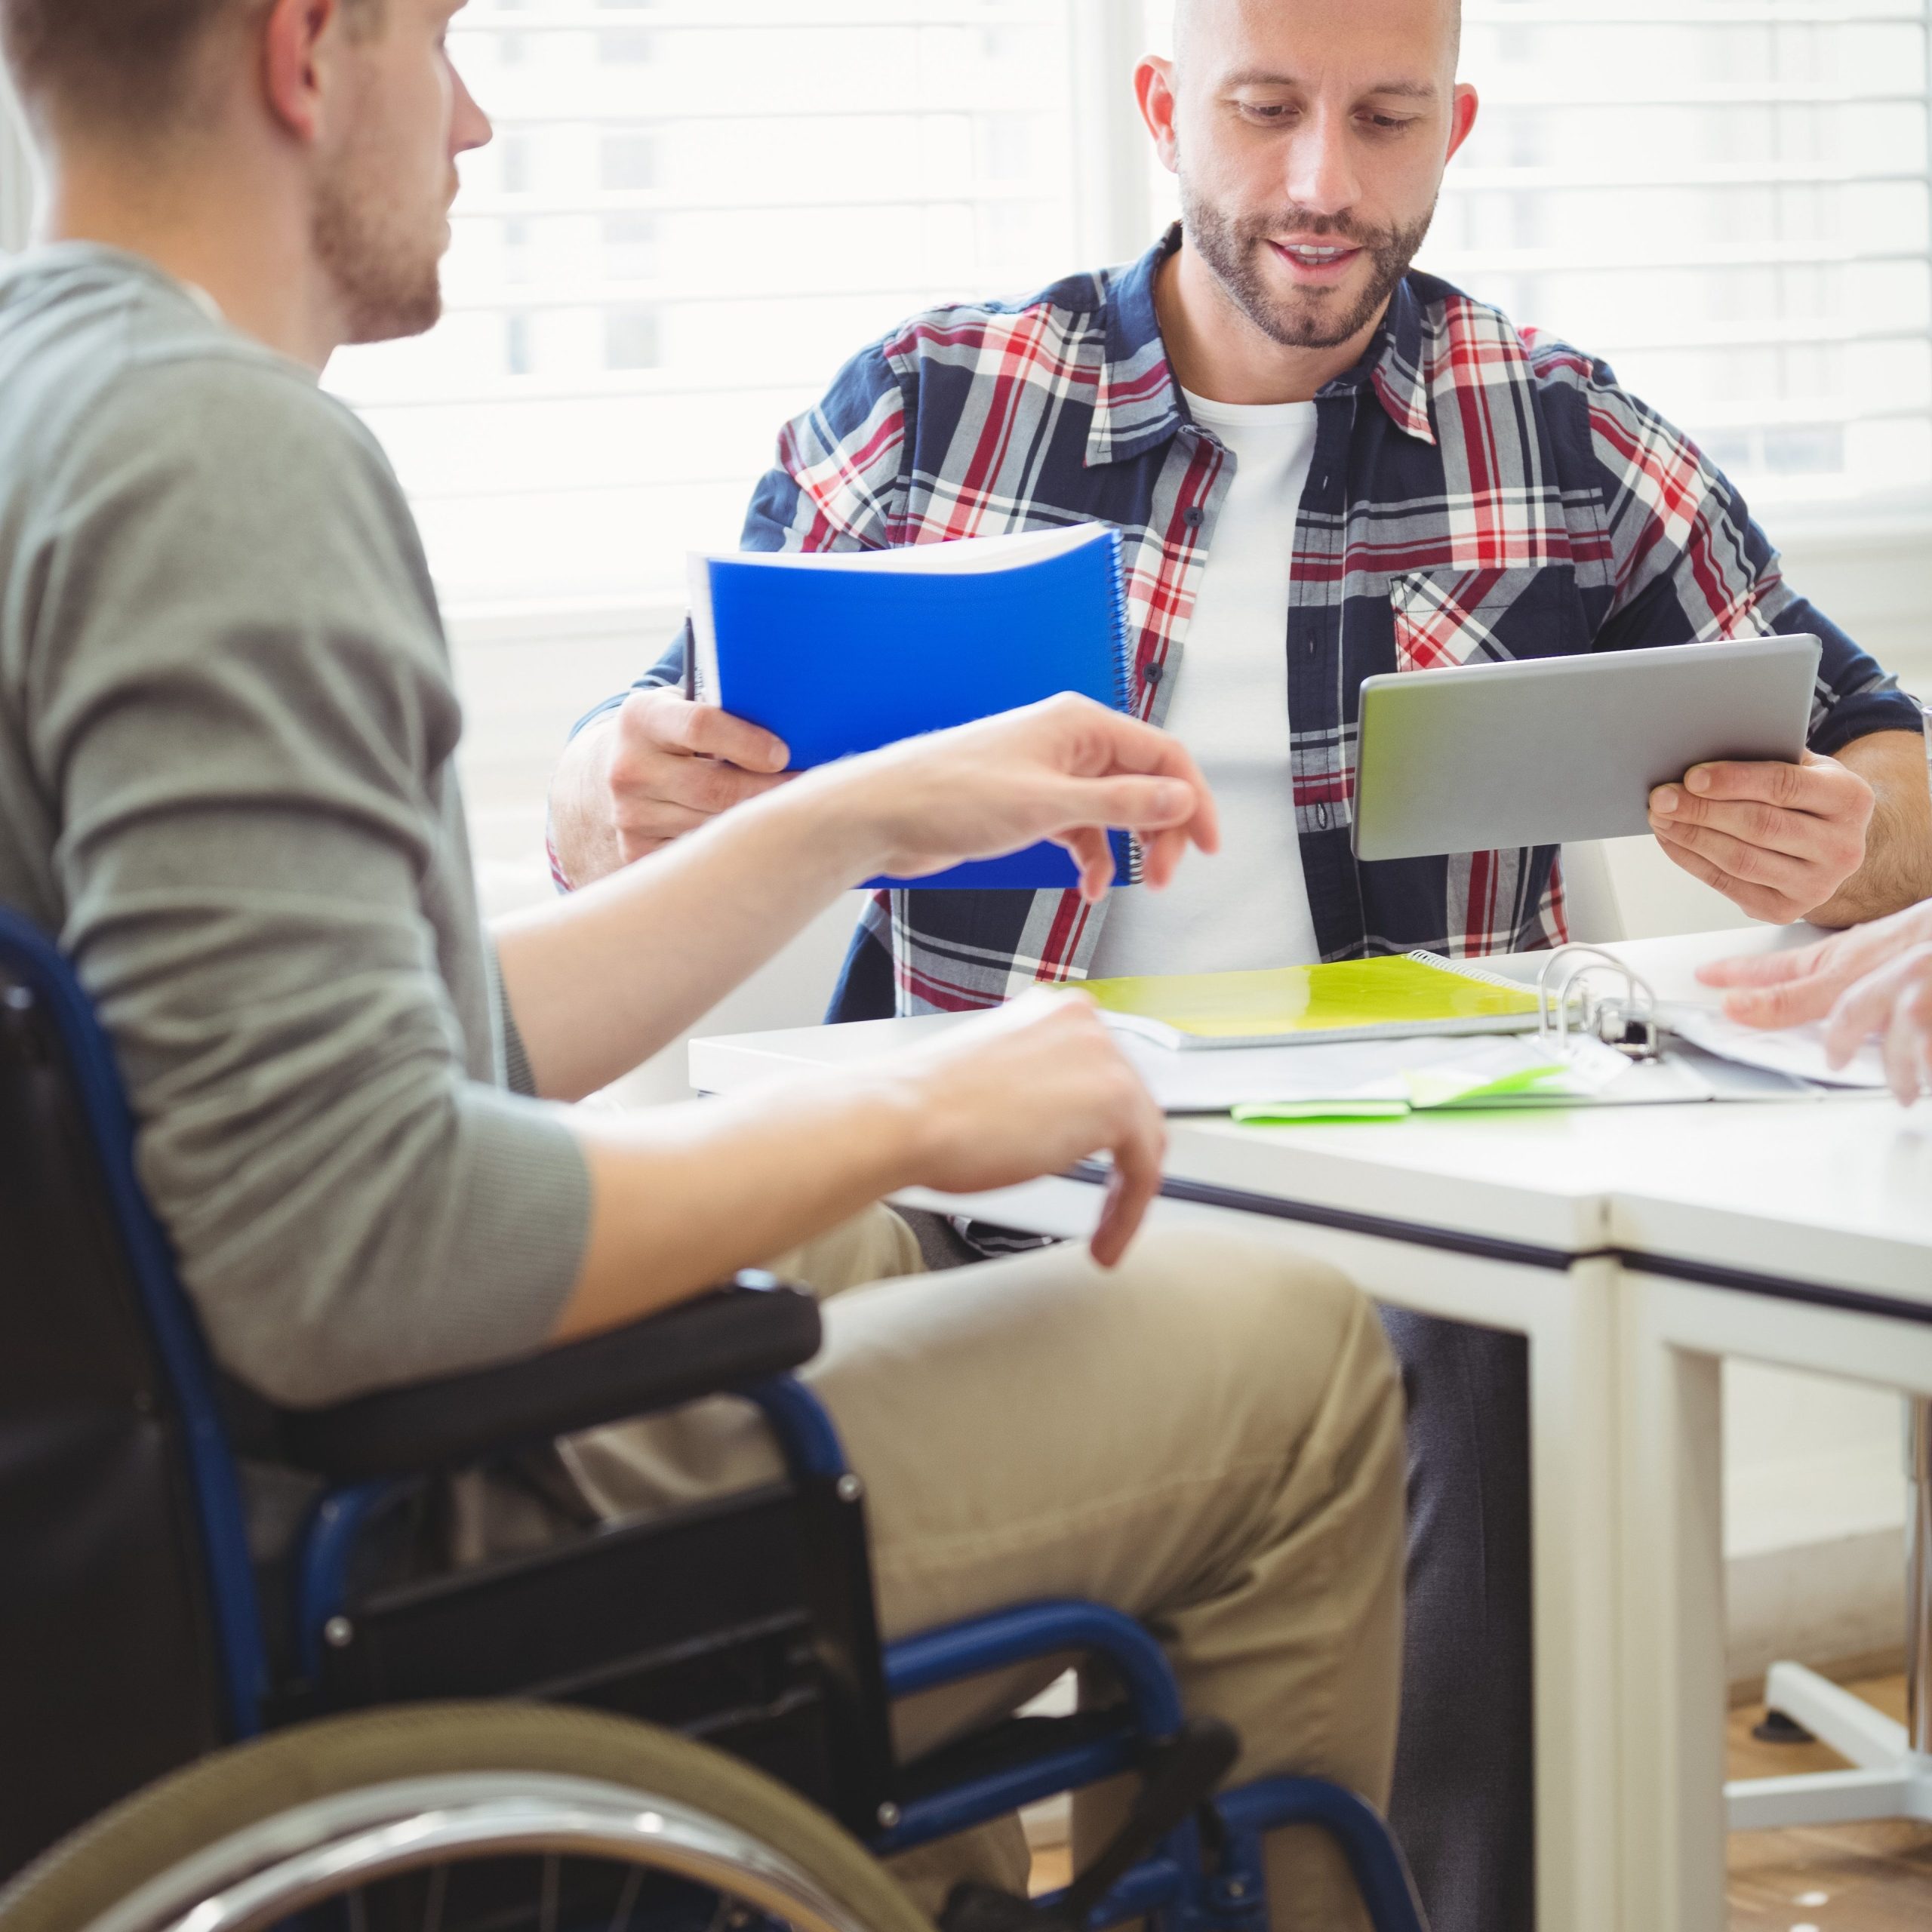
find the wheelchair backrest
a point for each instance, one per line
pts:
(111, 1672)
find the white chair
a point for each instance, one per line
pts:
(1594, 911)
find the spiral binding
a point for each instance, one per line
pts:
(1423, 957)
(1122, 636)
(1122, 674)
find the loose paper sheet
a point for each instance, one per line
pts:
(1799, 1051)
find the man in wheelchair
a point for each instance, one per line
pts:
(228, 788)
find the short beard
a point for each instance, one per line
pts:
(1229, 247)
(388, 285)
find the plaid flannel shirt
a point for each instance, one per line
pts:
(1476, 491)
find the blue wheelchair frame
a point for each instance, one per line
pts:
(1175, 1884)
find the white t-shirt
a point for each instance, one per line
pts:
(1247, 907)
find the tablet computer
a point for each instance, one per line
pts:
(1479, 758)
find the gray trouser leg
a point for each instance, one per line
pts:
(1462, 1803)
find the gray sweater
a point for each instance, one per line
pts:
(226, 725)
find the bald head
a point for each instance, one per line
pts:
(1203, 25)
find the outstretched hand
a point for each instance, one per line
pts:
(1872, 981)
(1066, 770)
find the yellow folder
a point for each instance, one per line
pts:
(1401, 995)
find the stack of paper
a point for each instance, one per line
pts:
(1797, 1052)
(1384, 1079)
(1373, 1039)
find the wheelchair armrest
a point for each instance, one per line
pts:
(719, 1343)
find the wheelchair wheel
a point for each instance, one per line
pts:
(462, 1818)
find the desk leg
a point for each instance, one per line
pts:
(1672, 1663)
(1573, 1424)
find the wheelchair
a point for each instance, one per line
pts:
(677, 1722)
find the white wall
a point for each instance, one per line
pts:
(1814, 1519)
(1872, 576)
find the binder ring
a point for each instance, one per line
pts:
(1626, 1021)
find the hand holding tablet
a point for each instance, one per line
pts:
(1777, 840)
(1703, 745)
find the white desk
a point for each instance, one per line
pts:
(1634, 1248)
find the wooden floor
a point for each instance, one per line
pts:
(1840, 1878)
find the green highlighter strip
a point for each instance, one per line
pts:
(1428, 1092)
(1283, 1113)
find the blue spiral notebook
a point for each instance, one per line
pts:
(843, 651)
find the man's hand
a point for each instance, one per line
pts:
(1777, 840)
(660, 767)
(671, 765)
(1029, 1090)
(1064, 769)
(1873, 980)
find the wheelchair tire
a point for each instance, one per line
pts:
(229, 1819)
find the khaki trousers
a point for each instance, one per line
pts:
(1209, 1437)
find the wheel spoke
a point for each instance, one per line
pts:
(620, 1919)
(432, 1902)
(547, 1911)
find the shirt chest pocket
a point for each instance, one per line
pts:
(1448, 617)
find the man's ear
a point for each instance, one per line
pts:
(297, 36)
(1462, 116)
(1154, 89)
